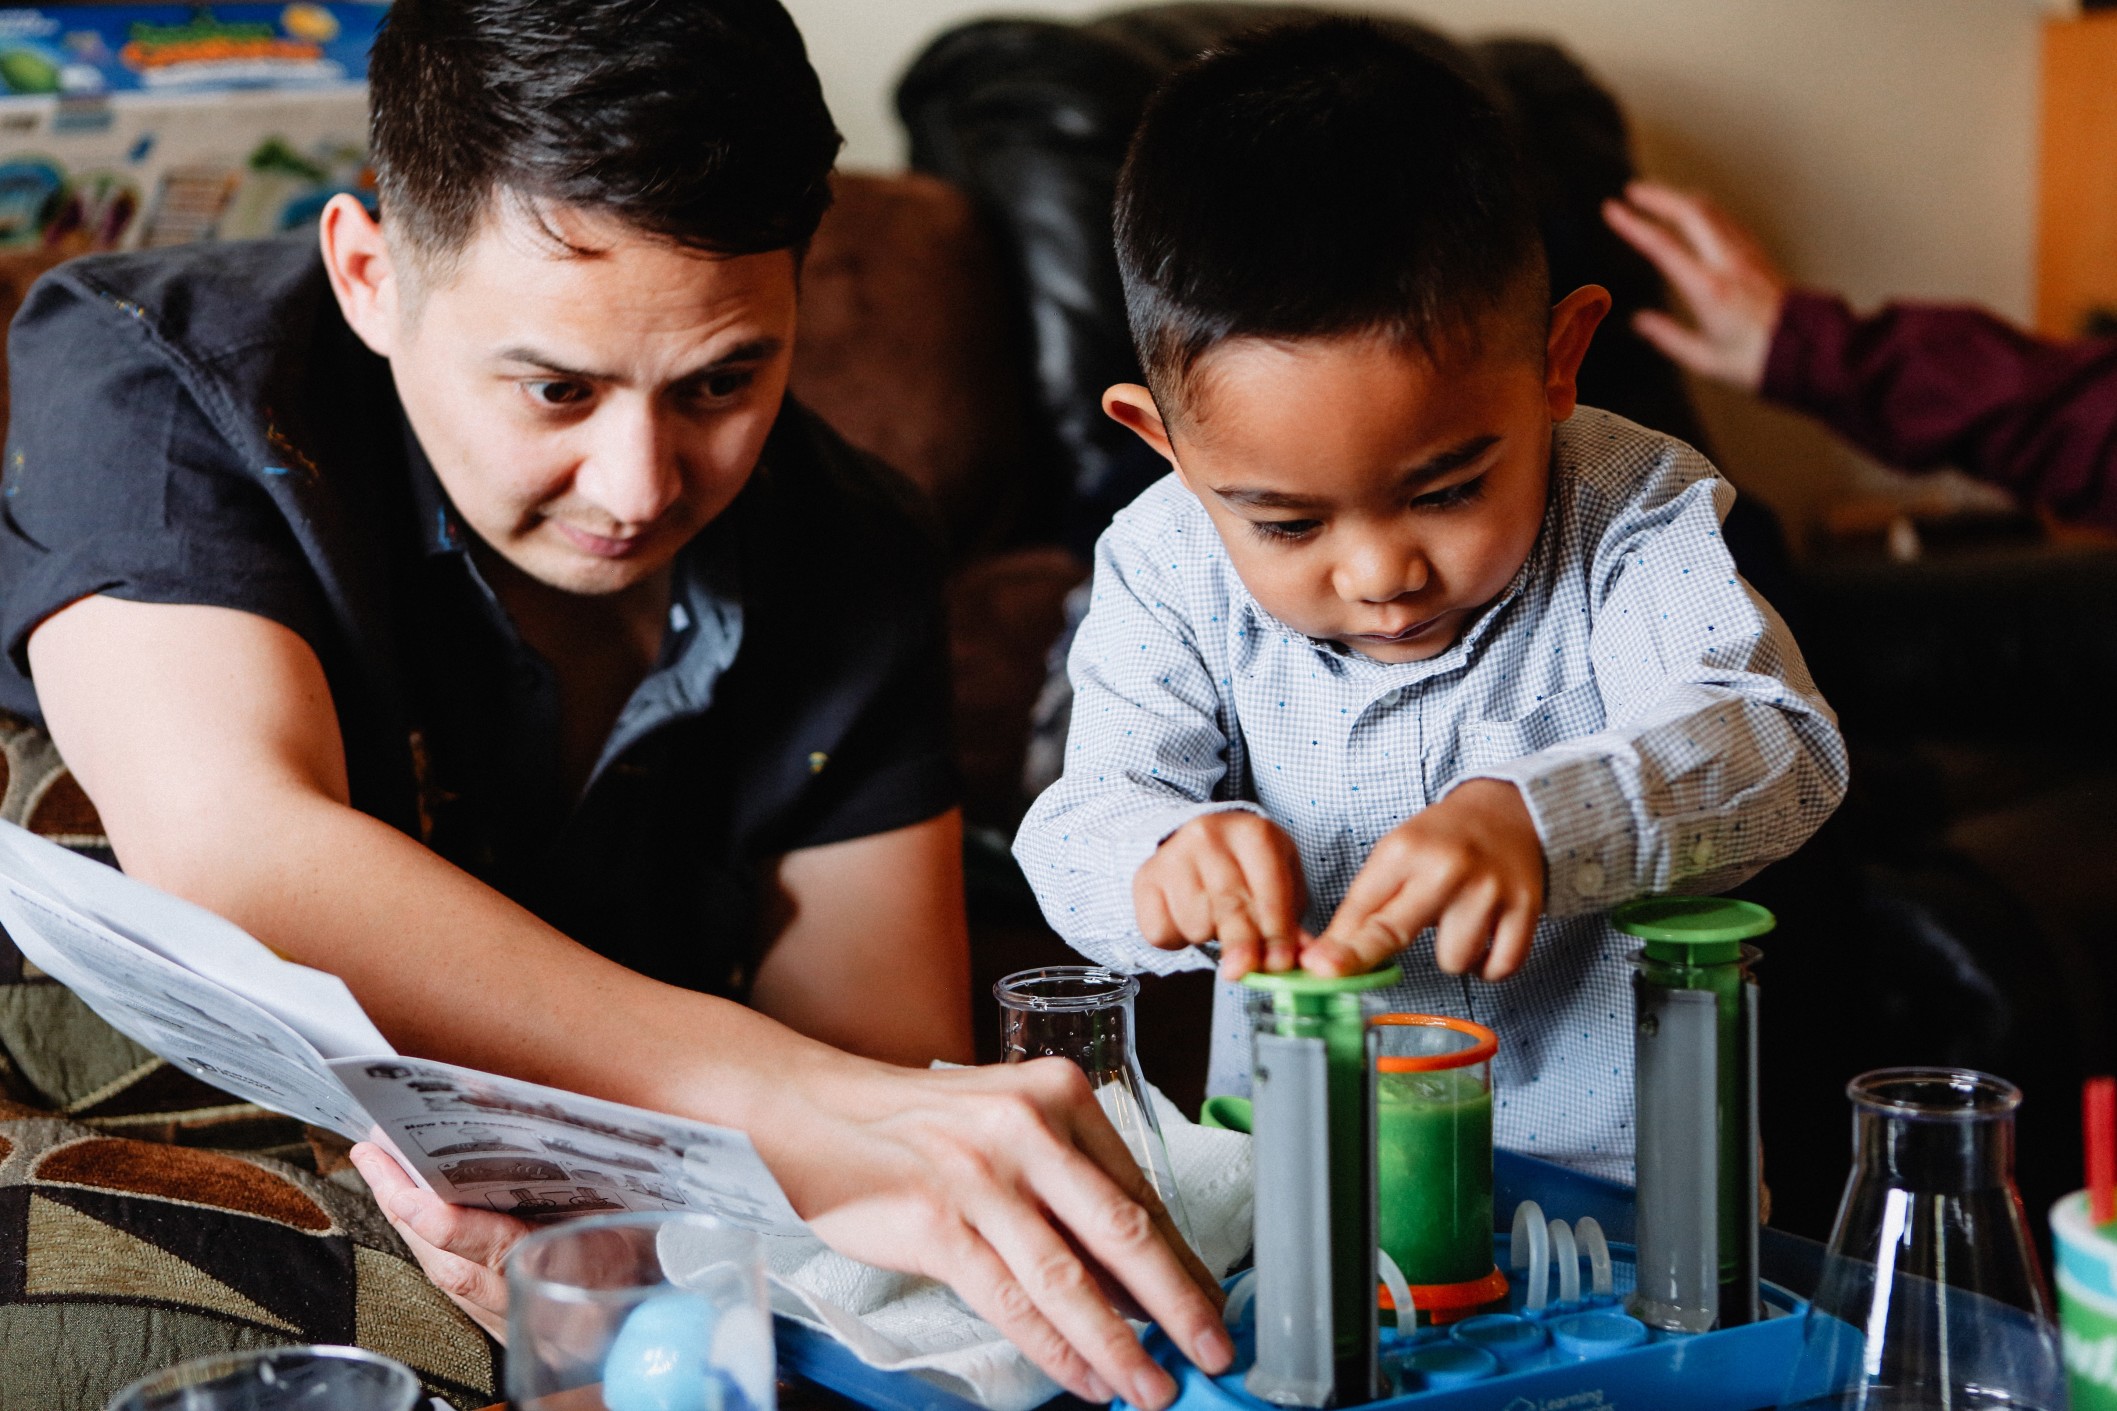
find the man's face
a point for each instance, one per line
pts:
(589, 414)
(1366, 493)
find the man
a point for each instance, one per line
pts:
(456, 603)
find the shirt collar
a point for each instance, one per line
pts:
(439, 528)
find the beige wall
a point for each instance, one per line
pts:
(1880, 146)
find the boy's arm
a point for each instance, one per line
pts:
(1146, 754)
(1718, 754)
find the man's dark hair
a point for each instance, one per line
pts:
(699, 121)
(1320, 179)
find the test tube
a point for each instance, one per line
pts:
(1313, 1129)
(1695, 1056)
(1433, 1159)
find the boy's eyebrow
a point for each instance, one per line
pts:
(755, 350)
(1432, 468)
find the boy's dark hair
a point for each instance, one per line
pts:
(1319, 179)
(700, 121)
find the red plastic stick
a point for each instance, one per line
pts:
(2098, 1111)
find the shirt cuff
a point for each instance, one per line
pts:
(1584, 820)
(1806, 366)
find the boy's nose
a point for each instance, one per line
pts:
(1381, 574)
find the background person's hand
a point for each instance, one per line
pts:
(1233, 877)
(462, 1250)
(1733, 289)
(1471, 866)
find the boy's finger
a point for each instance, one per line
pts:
(1511, 940)
(1240, 944)
(1151, 909)
(1274, 884)
(1464, 932)
(1237, 961)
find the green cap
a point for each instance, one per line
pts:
(1303, 982)
(1693, 930)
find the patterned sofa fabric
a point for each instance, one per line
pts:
(146, 1217)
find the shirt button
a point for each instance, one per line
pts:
(1702, 853)
(1587, 878)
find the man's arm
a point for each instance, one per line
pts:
(207, 740)
(872, 953)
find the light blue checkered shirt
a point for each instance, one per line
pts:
(1653, 710)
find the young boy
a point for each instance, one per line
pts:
(1406, 642)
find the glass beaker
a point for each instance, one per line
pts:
(1084, 1012)
(1931, 1295)
(276, 1379)
(640, 1312)
(1433, 1157)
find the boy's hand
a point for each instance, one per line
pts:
(1232, 877)
(1471, 865)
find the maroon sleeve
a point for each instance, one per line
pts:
(1925, 385)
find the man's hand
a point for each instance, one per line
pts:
(1471, 866)
(461, 1250)
(1011, 1185)
(1733, 289)
(1232, 877)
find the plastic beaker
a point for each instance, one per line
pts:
(276, 1379)
(1931, 1295)
(1433, 1159)
(1084, 1012)
(640, 1312)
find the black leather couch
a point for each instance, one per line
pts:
(1899, 943)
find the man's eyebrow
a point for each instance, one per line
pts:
(1432, 468)
(756, 350)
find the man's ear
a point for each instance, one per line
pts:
(1574, 320)
(363, 275)
(1133, 407)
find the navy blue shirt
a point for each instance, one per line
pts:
(199, 425)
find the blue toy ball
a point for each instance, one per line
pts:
(661, 1358)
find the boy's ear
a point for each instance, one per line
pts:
(363, 274)
(1133, 407)
(1574, 320)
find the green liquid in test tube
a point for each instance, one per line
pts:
(1433, 1153)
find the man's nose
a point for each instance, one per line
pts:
(631, 472)
(1379, 570)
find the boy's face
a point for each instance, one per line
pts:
(1366, 493)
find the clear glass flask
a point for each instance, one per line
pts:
(1931, 1295)
(1084, 1012)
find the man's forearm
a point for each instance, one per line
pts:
(450, 969)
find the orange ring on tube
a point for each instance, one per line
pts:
(1485, 1045)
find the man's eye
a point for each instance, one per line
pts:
(1285, 530)
(721, 386)
(556, 393)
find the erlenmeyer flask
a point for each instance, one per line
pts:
(1084, 1012)
(1931, 1296)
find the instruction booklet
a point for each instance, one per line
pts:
(217, 1003)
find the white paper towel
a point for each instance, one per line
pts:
(902, 1323)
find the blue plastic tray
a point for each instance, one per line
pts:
(1737, 1370)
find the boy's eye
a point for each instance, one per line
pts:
(1460, 494)
(556, 392)
(1285, 530)
(723, 385)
